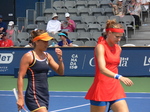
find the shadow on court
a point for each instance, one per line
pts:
(74, 102)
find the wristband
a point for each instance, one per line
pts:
(117, 76)
(60, 59)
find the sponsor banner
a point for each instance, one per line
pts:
(79, 61)
(135, 61)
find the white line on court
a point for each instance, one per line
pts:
(82, 92)
(79, 96)
(6, 95)
(50, 95)
(70, 108)
(65, 96)
(138, 97)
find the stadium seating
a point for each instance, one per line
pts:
(93, 4)
(89, 16)
(90, 43)
(58, 4)
(78, 42)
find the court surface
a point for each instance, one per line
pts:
(67, 94)
(75, 102)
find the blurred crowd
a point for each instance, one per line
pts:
(62, 28)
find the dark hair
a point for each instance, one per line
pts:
(30, 41)
(65, 34)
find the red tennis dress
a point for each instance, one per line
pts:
(105, 88)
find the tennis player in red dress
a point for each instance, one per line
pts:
(106, 87)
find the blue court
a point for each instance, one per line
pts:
(74, 102)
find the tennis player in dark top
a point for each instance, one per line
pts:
(36, 64)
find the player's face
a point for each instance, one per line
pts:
(116, 37)
(42, 45)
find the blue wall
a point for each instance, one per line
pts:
(22, 5)
(135, 61)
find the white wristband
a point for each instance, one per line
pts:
(117, 76)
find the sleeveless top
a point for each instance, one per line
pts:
(105, 88)
(37, 94)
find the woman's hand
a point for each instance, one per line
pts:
(70, 23)
(126, 81)
(20, 104)
(65, 42)
(59, 53)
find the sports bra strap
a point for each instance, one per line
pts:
(33, 61)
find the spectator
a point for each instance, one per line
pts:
(144, 8)
(144, 4)
(5, 42)
(3, 25)
(69, 24)
(22, 29)
(53, 25)
(134, 9)
(11, 30)
(65, 41)
(126, 4)
(119, 9)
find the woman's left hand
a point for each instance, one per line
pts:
(59, 53)
(69, 23)
(126, 81)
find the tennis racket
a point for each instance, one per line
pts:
(16, 96)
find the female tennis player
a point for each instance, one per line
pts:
(106, 87)
(36, 64)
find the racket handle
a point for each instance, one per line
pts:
(15, 93)
(16, 96)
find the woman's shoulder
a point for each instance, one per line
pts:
(100, 46)
(57, 21)
(27, 56)
(71, 20)
(29, 53)
(68, 39)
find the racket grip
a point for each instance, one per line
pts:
(15, 93)
(16, 96)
